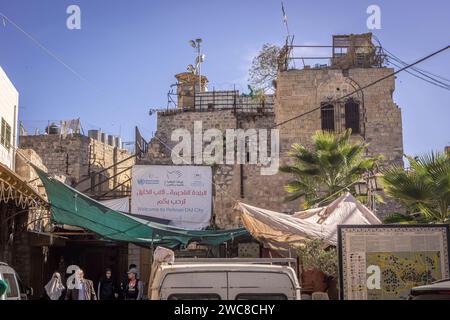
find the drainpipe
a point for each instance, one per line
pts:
(13, 162)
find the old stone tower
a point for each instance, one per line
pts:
(330, 90)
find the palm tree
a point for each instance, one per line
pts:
(424, 187)
(333, 166)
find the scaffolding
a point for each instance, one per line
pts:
(346, 51)
(233, 100)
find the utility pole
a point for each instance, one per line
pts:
(196, 44)
(199, 65)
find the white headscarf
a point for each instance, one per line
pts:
(54, 287)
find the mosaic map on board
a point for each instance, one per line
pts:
(400, 271)
(385, 262)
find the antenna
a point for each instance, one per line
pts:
(285, 19)
(198, 61)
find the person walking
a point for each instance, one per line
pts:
(134, 289)
(107, 288)
(83, 291)
(124, 280)
(54, 289)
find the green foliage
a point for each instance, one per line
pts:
(264, 68)
(315, 255)
(327, 170)
(398, 218)
(424, 187)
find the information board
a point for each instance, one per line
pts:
(181, 194)
(385, 262)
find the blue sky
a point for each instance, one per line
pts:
(129, 51)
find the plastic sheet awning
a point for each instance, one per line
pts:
(282, 232)
(71, 207)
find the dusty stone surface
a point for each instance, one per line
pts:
(76, 157)
(298, 91)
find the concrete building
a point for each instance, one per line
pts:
(9, 106)
(23, 208)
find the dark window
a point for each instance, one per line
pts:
(327, 115)
(5, 134)
(194, 296)
(99, 182)
(261, 296)
(352, 116)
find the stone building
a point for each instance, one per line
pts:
(96, 167)
(99, 169)
(328, 89)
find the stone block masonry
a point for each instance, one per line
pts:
(298, 91)
(76, 157)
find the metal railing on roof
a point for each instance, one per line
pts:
(329, 56)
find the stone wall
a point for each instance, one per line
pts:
(76, 157)
(298, 91)
(261, 190)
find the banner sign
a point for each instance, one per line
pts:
(181, 194)
(385, 262)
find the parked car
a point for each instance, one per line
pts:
(214, 279)
(16, 290)
(439, 290)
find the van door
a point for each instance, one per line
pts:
(200, 285)
(13, 292)
(260, 286)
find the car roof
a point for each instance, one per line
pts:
(166, 269)
(188, 267)
(439, 285)
(5, 267)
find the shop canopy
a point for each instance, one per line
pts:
(281, 231)
(71, 207)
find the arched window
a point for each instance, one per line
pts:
(352, 116)
(327, 116)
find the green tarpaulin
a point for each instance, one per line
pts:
(71, 207)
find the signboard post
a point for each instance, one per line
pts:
(181, 194)
(383, 262)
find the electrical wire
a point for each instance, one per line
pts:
(419, 77)
(423, 72)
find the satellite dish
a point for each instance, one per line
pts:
(192, 43)
(200, 59)
(199, 40)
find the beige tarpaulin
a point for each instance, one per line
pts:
(281, 231)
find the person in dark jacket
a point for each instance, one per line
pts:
(124, 281)
(134, 288)
(107, 288)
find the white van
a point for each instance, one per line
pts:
(218, 280)
(15, 291)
